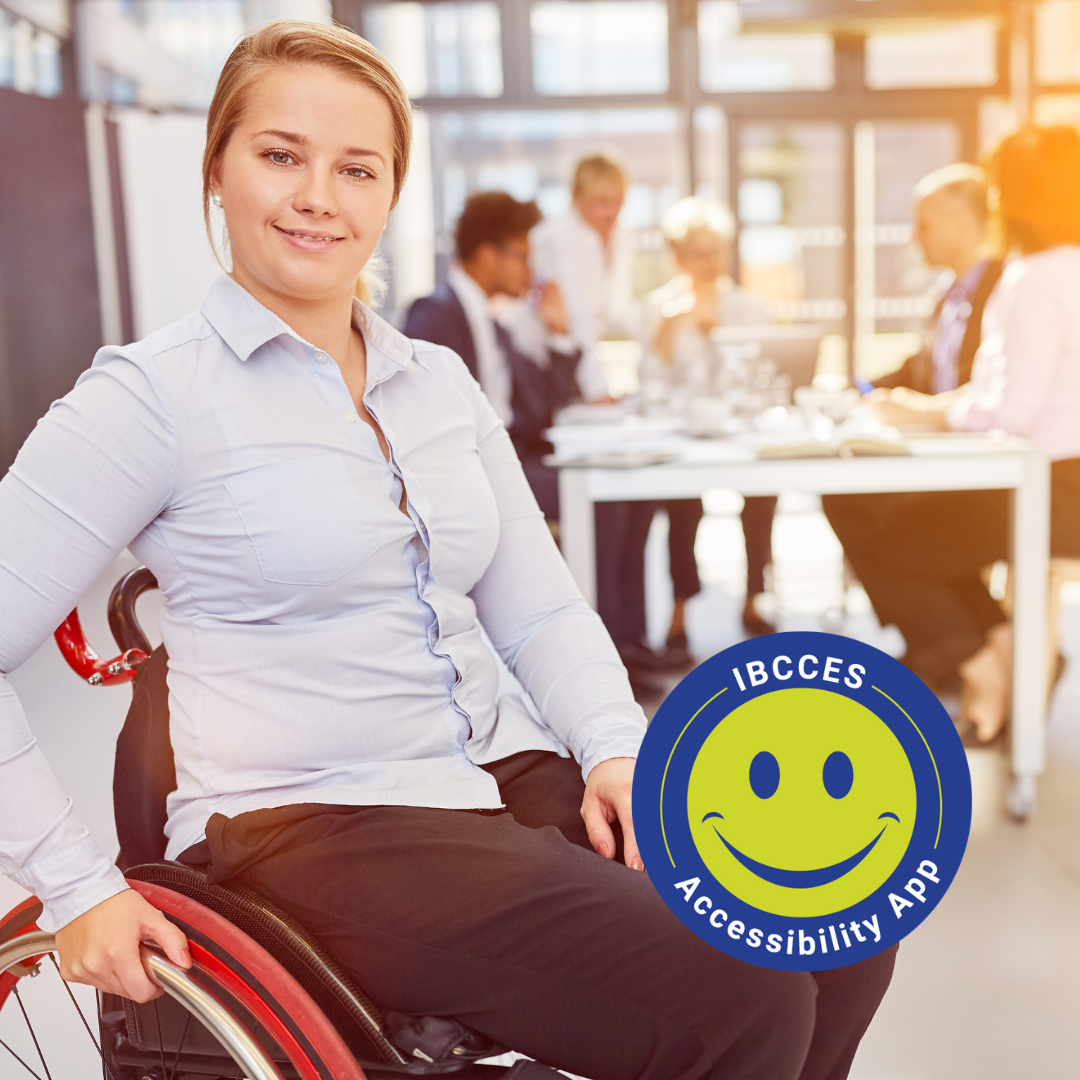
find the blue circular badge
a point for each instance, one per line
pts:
(802, 801)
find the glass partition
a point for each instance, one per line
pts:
(29, 58)
(599, 47)
(440, 50)
(790, 204)
(955, 54)
(531, 154)
(1057, 42)
(730, 61)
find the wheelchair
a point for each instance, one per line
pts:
(263, 999)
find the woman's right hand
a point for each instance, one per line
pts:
(101, 946)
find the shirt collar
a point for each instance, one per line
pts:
(245, 325)
(468, 291)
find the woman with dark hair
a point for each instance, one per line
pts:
(919, 555)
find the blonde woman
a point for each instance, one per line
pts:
(332, 510)
(700, 296)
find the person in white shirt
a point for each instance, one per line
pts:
(682, 312)
(919, 555)
(332, 512)
(589, 255)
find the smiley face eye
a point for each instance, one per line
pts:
(837, 774)
(764, 775)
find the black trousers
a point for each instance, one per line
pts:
(684, 516)
(509, 922)
(919, 554)
(622, 530)
(757, 519)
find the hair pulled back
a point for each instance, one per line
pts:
(1036, 171)
(290, 42)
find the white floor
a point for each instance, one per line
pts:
(988, 988)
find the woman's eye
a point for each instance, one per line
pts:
(279, 157)
(358, 172)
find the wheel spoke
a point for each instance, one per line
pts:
(19, 1060)
(30, 1028)
(160, 1038)
(82, 1017)
(176, 1056)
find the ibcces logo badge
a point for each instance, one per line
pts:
(802, 801)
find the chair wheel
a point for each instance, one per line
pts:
(236, 1008)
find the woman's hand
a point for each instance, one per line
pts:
(902, 406)
(101, 946)
(552, 309)
(607, 799)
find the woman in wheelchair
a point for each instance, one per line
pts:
(332, 512)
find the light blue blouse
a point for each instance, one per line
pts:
(323, 645)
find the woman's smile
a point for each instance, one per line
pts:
(309, 241)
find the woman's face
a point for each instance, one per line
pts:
(703, 255)
(306, 183)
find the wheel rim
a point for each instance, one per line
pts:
(234, 1038)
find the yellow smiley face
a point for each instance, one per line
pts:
(801, 802)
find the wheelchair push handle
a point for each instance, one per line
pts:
(125, 627)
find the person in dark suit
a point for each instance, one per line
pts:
(951, 214)
(894, 541)
(527, 375)
(528, 368)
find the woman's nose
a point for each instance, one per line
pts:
(315, 192)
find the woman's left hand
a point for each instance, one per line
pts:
(607, 799)
(905, 407)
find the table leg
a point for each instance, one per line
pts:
(577, 530)
(1031, 564)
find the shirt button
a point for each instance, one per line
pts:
(349, 417)
(321, 357)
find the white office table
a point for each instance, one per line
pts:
(939, 463)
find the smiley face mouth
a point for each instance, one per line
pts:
(800, 879)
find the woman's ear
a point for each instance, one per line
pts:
(215, 177)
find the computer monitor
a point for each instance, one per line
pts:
(792, 347)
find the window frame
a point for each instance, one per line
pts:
(849, 100)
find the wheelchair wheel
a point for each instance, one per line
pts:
(237, 1013)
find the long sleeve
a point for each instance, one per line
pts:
(549, 638)
(573, 259)
(1024, 379)
(96, 470)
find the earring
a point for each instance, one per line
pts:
(216, 199)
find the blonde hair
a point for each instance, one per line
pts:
(967, 183)
(291, 42)
(691, 214)
(602, 165)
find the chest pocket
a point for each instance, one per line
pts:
(305, 519)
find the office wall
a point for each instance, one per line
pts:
(49, 321)
(170, 261)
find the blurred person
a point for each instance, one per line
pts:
(919, 556)
(525, 385)
(591, 258)
(333, 511)
(589, 255)
(700, 297)
(951, 219)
